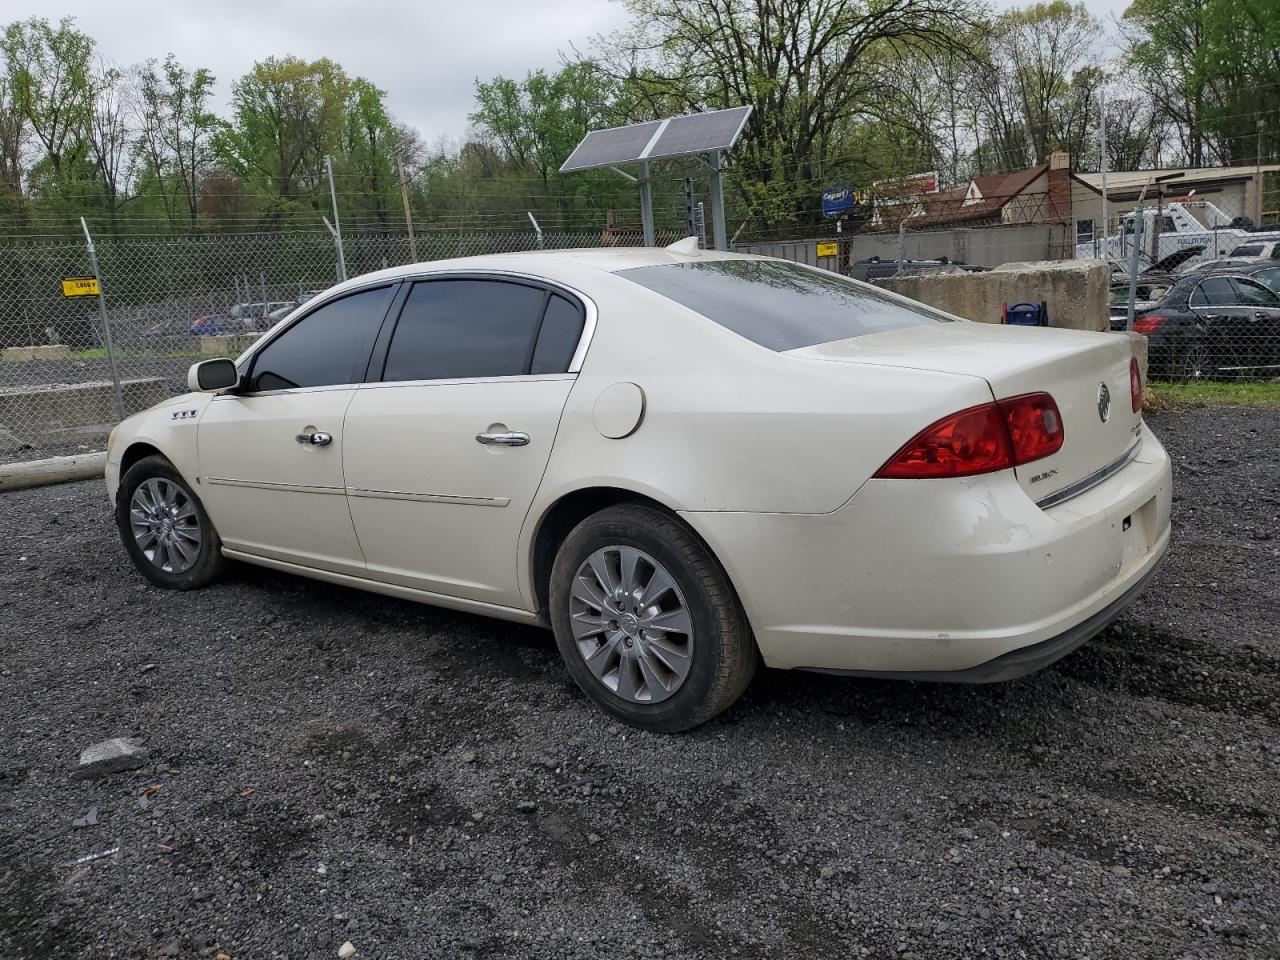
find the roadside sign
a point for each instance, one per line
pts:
(79, 286)
(836, 200)
(829, 248)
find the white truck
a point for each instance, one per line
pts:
(1181, 226)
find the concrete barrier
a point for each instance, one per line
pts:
(226, 344)
(1078, 292)
(45, 351)
(49, 412)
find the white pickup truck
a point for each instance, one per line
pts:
(1183, 225)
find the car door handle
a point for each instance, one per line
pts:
(316, 439)
(505, 439)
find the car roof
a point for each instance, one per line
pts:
(552, 264)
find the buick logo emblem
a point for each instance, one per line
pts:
(1104, 403)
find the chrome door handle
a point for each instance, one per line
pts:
(317, 439)
(505, 439)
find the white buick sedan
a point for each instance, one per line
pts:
(685, 463)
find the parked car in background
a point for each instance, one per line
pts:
(1214, 324)
(220, 324)
(1203, 266)
(1268, 249)
(684, 462)
(1266, 272)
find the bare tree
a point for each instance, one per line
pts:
(108, 132)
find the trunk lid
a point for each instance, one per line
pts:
(1072, 366)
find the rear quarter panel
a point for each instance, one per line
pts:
(730, 425)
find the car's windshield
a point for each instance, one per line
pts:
(1250, 250)
(781, 305)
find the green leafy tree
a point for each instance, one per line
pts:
(811, 69)
(174, 132)
(287, 114)
(49, 78)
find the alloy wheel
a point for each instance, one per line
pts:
(165, 526)
(631, 624)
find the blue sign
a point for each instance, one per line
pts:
(836, 200)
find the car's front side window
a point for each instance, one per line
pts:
(464, 328)
(1254, 294)
(1270, 278)
(326, 347)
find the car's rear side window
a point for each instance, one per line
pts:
(455, 329)
(1216, 291)
(559, 336)
(780, 305)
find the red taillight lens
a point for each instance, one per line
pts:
(1135, 384)
(982, 439)
(1148, 324)
(1035, 426)
(971, 441)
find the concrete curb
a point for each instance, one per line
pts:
(39, 473)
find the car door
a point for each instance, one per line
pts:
(445, 452)
(271, 452)
(1216, 302)
(1257, 335)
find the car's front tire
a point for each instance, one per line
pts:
(646, 620)
(165, 529)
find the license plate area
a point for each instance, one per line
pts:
(1137, 531)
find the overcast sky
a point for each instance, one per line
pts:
(426, 55)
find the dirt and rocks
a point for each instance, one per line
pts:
(332, 773)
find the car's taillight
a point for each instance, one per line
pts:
(1135, 384)
(1035, 426)
(993, 436)
(971, 441)
(1148, 324)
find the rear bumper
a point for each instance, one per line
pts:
(1024, 660)
(945, 579)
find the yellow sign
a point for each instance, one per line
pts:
(829, 248)
(79, 286)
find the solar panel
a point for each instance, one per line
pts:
(673, 137)
(600, 148)
(700, 132)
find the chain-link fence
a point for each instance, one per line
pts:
(66, 375)
(167, 302)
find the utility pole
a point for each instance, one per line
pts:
(1102, 104)
(1133, 256)
(337, 227)
(1257, 173)
(408, 217)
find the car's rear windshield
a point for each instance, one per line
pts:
(780, 305)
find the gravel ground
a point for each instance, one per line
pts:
(329, 766)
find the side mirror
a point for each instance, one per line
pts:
(209, 375)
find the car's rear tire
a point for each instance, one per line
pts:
(165, 529)
(1195, 362)
(646, 620)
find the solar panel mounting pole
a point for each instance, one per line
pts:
(646, 204)
(717, 201)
